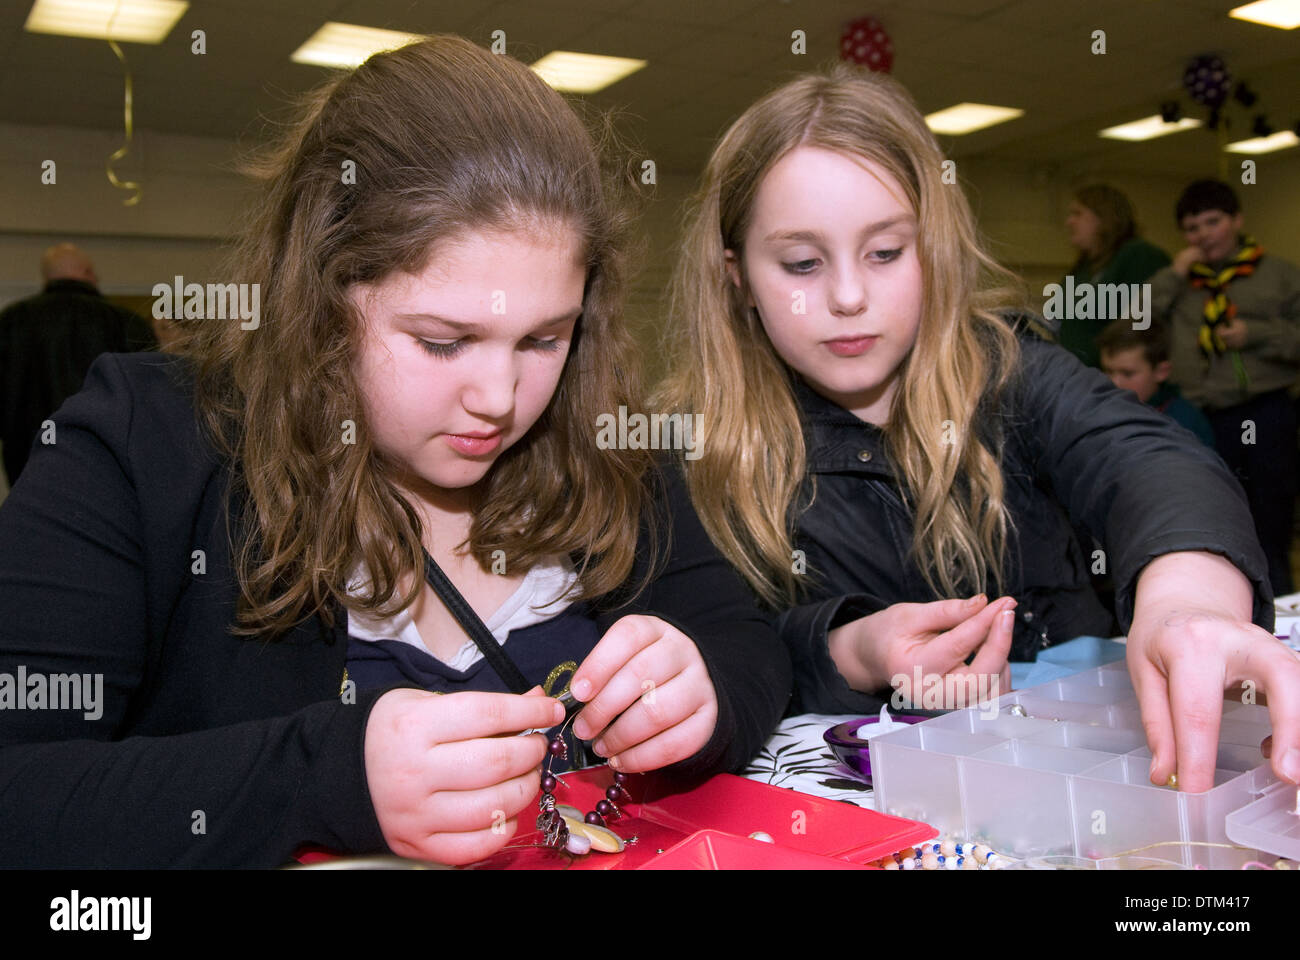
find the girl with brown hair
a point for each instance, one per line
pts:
(1103, 229)
(237, 539)
(883, 438)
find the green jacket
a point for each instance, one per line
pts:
(1134, 262)
(1268, 301)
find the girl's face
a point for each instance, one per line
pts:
(1084, 228)
(458, 361)
(830, 262)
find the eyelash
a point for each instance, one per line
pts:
(448, 350)
(889, 257)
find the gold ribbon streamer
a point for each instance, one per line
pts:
(568, 666)
(128, 125)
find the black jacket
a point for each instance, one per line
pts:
(47, 343)
(1076, 448)
(247, 738)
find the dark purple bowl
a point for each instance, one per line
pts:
(851, 750)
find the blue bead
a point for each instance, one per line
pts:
(942, 858)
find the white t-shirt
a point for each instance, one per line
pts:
(543, 595)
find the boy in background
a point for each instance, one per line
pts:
(1138, 360)
(1234, 316)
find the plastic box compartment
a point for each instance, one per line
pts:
(1067, 775)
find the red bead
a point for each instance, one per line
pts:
(620, 778)
(557, 747)
(548, 783)
(614, 793)
(604, 808)
(595, 818)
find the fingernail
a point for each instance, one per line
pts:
(974, 601)
(616, 763)
(1008, 617)
(580, 729)
(598, 747)
(581, 689)
(1291, 765)
(558, 712)
(1151, 774)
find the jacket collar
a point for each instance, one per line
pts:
(67, 285)
(837, 441)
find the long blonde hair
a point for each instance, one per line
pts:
(442, 136)
(753, 457)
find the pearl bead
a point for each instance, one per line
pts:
(891, 865)
(595, 818)
(549, 783)
(969, 863)
(948, 848)
(604, 808)
(556, 747)
(909, 864)
(950, 863)
(930, 860)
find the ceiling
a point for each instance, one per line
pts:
(708, 60)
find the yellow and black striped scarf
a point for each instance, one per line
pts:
(1219, 310)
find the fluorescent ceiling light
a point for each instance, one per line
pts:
(969, 117)
(1278, 141)
(584, 72)
(346, 45)
(1148, 128)
(135, 21)
(1283, 14)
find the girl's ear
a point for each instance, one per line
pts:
(733, 268)
(733, 272)
(1162, 370)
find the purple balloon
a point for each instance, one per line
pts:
(1207, 80)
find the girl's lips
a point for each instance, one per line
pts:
(851, 348)
(474, 446)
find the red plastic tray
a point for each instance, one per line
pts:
(708, 827)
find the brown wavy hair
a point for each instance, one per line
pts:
(445, 137)
(1117, 222)
(753, 457)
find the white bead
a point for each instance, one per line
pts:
(950, 863)
(909, 864)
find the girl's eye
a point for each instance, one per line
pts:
(885, 256)
(548, 346)
(441, 349)
(800, 266)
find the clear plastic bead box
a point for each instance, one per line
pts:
(1071, 778)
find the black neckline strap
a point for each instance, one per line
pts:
(473, 625)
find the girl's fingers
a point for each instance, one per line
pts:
(640, 676)
(470, 715)
(659, 709)
(621, 642)
(991, 659)
(1196, 698)
(1276, 670)
(476, 764)
(459, 848)
(674, 744)
(457, 811)
(940, 615)
(950, 650)
(1153, 700)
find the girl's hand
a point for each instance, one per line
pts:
(1191, 640)
(444, 782)
(938, 637)
(652, 674)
